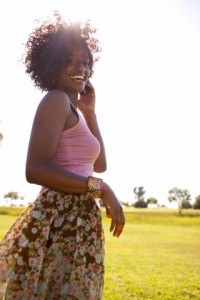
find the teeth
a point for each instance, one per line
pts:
(79, 77)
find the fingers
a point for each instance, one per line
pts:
(113, 210)
(89, 84)
(108, 214)
(89, 88)
(117, 223)
(118, 230)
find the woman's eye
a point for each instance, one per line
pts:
(75, 62)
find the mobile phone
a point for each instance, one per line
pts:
(83, 92)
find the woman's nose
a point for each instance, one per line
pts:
(79, 64)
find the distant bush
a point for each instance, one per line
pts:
(197, 202)
(125, 203)
(152, 200)
(186, 204)
(141, 204)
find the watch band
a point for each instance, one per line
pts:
(95, 187)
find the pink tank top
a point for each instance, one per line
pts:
(77, 150)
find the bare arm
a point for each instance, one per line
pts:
(114, 210)
(48, 125)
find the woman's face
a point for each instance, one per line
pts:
(77, 72)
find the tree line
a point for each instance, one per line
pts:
(181, 196)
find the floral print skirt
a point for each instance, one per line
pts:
(54, 250)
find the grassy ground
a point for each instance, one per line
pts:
(157, 257)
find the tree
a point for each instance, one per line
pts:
(139, 193)
(12, 195)
(182, 197)
(197, 202)
(139, 197)
(152, 200)
(186, 204)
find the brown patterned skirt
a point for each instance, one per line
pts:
(54, 250)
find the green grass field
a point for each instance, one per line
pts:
(157, 257)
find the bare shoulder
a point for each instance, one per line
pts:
(56, 100)
(53, 111)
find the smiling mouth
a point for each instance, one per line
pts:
(78, 77)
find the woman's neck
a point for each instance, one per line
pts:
(73, 96)
(74, 99)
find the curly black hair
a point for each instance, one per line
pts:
(50, 46)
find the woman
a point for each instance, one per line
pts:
(55, 250)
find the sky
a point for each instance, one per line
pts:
(147, 83)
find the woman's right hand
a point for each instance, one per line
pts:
(113, 210)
